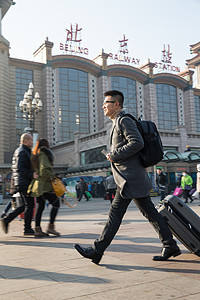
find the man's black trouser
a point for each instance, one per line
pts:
(81, 195)
(162, 195)
(116, 213)
(187, 195)
(26, 207)
(111, 194)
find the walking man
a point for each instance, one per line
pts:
(111, 186)
(22, 175)
(132, 183)
(161, 181)
(83, 189)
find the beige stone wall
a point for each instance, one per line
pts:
(64, 155)
(12, 104)
(93, 110)
(4, 102)
(69, 153)
(49, 92)
(150, 104)
(102, 87)
(189, 110)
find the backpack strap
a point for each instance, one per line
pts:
(118, 123)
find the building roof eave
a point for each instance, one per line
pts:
(127, 71)
(192, 62)
(73, 61)
(171, 79)
(5, 5)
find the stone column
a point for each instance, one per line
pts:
(4, 97)
(76, 149)
(0, 19)
(183, 137)
(150, 102)
(189, 110)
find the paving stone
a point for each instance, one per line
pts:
(51, 268)
(142, 291)
(25, 283)
(16, 296)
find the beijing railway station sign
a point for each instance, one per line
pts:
(73, 45)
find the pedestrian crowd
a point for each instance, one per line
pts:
(93, 189)
(185, 185)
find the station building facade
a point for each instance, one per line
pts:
(71, 88)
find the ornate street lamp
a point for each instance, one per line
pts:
(31, 105)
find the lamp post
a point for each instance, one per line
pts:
(30, 106)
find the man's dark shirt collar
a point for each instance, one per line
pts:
(26, 147)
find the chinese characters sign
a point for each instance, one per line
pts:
(73, 41)
(166, 61)
(74, 35)
(122, 55)
(123, 48)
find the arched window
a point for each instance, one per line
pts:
(128, 87)
(166, 106)
(73, 102)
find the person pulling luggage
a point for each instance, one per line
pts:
(132, 182)
(186, 184)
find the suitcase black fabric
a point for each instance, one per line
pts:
(183, 222)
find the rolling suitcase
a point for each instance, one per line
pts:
(191, 192)
(178, 191)
(183, 222)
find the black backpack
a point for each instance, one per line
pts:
(152, 152)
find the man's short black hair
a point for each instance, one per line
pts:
(116, 95)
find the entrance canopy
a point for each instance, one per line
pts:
(175, 156)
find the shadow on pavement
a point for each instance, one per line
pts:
(7, 272)
(161, 268)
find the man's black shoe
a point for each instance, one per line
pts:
(29, 231)
(4, 225)
(167, 253)
(89, 253)
(4, 215)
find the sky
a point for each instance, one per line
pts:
(147, 24)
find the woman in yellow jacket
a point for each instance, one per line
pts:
(42, 162)
(186, 184)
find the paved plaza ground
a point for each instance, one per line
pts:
(50, 268)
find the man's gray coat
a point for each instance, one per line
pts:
(128, 171)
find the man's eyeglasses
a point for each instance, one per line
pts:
(108, 102)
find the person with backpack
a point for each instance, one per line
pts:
(132, 182)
